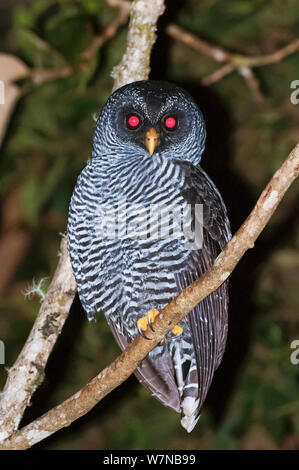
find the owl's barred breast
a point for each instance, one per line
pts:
(143, 260)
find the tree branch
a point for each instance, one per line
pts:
(218, 74)
(81, 402)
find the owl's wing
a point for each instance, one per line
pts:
(170, 373)
(208, 320)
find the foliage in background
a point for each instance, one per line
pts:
(47, 144)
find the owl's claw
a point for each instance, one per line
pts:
(140, 331)
(150, 324)
(147, 321)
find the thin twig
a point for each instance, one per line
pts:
(39, 76)
(80, 403)
(217, 53)
(218, 74)
(274, 57)
(221, 55)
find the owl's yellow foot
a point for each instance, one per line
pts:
(177, 330)
(144, 322)
(147, 321)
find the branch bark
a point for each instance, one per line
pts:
(81, 402)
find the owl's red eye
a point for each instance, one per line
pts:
(133, 121)
(170, 123)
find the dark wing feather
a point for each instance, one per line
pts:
(208, 321)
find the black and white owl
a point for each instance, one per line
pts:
(144, 222)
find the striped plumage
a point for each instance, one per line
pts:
(125, 277)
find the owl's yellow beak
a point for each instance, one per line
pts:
(151, 140)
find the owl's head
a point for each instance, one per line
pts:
(149, 118)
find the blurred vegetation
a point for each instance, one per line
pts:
(254, 402)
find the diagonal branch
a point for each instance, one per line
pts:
(216, 52)
(84, 400)
(218, 74)
(28, 371)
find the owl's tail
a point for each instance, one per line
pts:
(190, 413)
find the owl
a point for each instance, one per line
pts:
(145, 221)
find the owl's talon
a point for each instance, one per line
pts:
(147, 321)
(140, 331)
(177, 330)
(150, 324)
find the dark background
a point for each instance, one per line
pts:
(253, 402)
